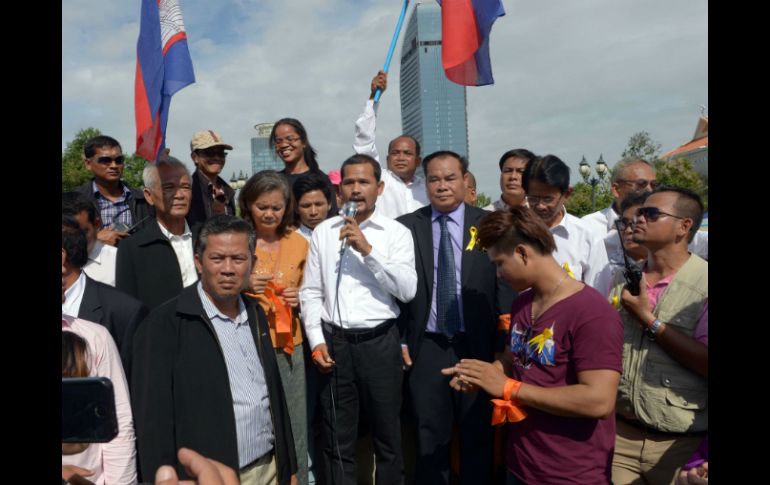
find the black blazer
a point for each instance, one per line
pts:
(117, 311)
(180, 390)
(480, 287)
(141, 211)
(147, 268)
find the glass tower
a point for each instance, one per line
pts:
(262, 156)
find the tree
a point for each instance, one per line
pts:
(73, 170)
(579, 203)
(679, 172)
(641, 145)
(482, 200)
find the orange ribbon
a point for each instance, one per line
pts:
(504, 322)
(507, 409)
(282, 313)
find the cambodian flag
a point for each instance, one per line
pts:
(163, 67)
(465, 28)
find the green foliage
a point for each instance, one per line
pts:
(73, 170)
(641, 145)
(579, 203)
(482, 199)
(680, 173)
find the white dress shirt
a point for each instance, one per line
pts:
(305, 232)
(183, 248)
(398, 197)
(368, 286)
(113, 462)
(101, 263)
(583, 252)
(73, 296)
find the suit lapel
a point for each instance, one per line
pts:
(467, 259)
(90, 305)
(424, 233)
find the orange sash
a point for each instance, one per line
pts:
(282, 315)
(507, 409)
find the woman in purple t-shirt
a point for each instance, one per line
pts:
(561, 366)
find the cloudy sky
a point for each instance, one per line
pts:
(572, 78)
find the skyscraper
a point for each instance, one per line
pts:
(262, 156)
(432, 107)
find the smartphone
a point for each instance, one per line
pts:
(88, 410)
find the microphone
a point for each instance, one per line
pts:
(350, 209)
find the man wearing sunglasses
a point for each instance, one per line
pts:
(211, 195)
(662, 406)
(120, 206)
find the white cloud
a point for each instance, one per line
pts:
(572, 78)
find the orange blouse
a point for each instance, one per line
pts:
(288, 264)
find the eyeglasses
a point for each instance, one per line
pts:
(534, 200)
(213, 152)
(640, 184)
(288, 139)
(625, 223)
(119, 160)
(652, 214)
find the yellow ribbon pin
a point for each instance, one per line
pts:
(616, 302)
(541, 339)
(474, 238)
(569, 271)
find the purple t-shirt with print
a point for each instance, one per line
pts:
(582, 332)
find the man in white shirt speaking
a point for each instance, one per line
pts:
(356, 269)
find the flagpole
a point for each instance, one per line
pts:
(392, 46)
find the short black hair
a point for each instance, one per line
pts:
(89, 149)
(224, 224)
(632, 199)
(416, 143)
(688, 204)
(517, 153)
(442, 154)
(73, 242)
(73, 203)
(308, 182)
(549, 170)
(359, 159)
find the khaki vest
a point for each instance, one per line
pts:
(655, 388)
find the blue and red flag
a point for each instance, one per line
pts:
(163, 67)
(465, 28)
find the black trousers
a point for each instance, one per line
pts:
(367, 374)
(437, 407)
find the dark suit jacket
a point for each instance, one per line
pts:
(480, 287)
(180, 391)
(200, 205)
(147, 268)
(117, 311)
(141, 211)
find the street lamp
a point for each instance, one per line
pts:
(585, 172)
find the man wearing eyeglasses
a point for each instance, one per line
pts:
(211, 195)
(662, 405)
(122, 209)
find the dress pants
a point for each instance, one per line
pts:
(366, 374)
(437, 407)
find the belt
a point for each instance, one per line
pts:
(358, 335)
(259, 461)
(640, 425)
(443, 339)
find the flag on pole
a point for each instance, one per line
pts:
(163, 67)
(465, 28)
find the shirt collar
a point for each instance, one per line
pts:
(169, 236)
(95, 189)
(75, 292)
(455, 215)
(213, 312)
(96, 252)
(66, 320)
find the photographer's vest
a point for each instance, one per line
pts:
(654, 388)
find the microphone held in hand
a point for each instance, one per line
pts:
(350, 209)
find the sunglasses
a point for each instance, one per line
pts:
(624, 223)
(120, 159)
(640, 184)
(652, 214)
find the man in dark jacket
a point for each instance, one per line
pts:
(211, 195)
(121, 208)
(205, 375)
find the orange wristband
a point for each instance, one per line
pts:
(316, 353)
(507, 410)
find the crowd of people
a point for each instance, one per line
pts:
(255, 337)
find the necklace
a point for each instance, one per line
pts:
(543, 302)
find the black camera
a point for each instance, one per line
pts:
(88, 410)
(632, 273)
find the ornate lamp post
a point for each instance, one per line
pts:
(585, 172)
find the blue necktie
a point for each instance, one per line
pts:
(447, 304)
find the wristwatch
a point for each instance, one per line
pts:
(652, 329)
